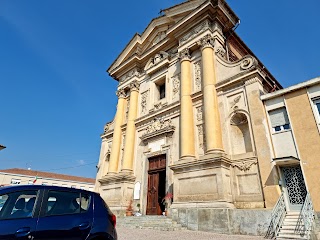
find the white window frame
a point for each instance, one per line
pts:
(315, 110)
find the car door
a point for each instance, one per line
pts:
(18, 217)
(65, 215)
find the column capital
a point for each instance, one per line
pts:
(121, 93)
(184, 54)
(206, 41)
(134, 86)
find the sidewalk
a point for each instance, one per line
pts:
(148, 234)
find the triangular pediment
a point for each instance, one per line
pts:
(155, 31)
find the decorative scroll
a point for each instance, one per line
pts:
(197, 73)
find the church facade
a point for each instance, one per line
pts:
(190, 124)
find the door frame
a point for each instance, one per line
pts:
(155, 170)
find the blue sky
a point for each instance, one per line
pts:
(56, 96)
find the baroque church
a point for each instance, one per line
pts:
(191, 126)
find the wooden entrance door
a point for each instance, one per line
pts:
(156, 184)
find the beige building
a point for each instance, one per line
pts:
(15, 176)
(190, 122)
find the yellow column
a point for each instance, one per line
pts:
(186, 114)
(117, 133)
(212, 124)
(128, 154)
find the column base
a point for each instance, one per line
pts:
(215, 150)
(204, 180)
(117, 191)
(126, 171)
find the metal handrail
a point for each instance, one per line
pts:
(307, 214)
(277, 216)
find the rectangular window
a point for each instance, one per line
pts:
(15, 181)
(162, 91)
(279, 119)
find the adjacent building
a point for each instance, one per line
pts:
(15, 176)
(201, 119)
(294, 122)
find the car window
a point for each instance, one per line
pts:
(84, 201)
(62, 202)
(17, 204)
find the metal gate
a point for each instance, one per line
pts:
(295, 188)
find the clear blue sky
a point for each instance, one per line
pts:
(56, 96)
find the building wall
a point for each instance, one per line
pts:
(307, 138)
(12, 179)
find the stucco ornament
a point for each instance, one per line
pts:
(196, 31)
(158, 124)
(132, 73)
(144, 97)
(221, 52)
(176, 84)
(184, 54)
(247, 63)
(121, 93)
(197, 71)
(206, 41)
(244, 166)
(134, 86)
(159, 57)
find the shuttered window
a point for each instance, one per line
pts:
(279, 119)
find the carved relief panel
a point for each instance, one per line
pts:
(144, 102)
(197, 76)
(200, 130)
(175, 80)
(236, 101)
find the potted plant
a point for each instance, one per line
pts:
(129, 209)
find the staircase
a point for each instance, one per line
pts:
(292, 227)
(161, 223)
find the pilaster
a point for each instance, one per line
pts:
(186, 117)
(128, 155)
(213, 130)
(117, 132)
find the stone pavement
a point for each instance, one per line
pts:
(149, 234)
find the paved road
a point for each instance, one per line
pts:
(147, 234)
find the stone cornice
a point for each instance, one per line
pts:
(208, 162)
(117, 178)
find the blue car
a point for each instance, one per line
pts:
(34, 212)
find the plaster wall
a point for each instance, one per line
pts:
(303, 121)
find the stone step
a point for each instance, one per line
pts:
(290, 231)
(149, 222)
(291, 227)
(290, 236)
